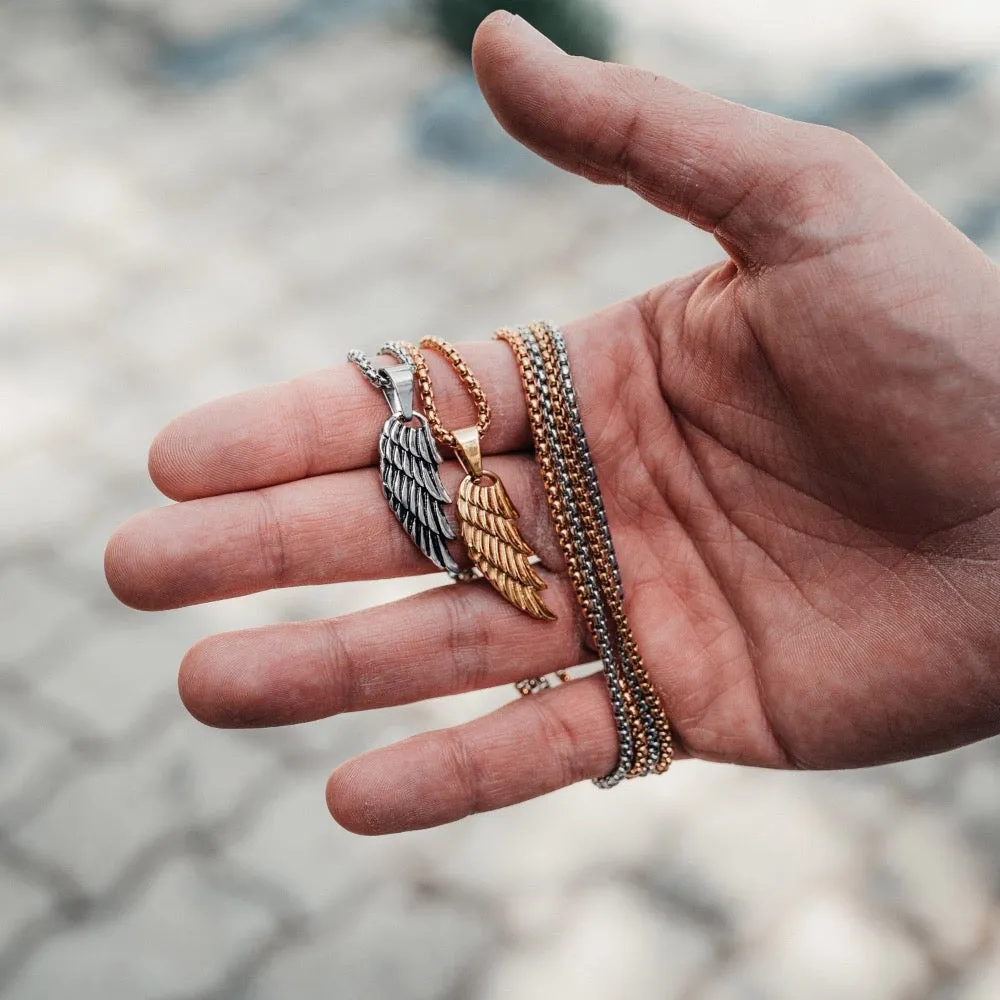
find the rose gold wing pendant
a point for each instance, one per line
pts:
(487, 520)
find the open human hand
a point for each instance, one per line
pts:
(799, 450)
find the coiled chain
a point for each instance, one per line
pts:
(577, 509)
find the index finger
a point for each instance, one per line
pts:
(325, 422)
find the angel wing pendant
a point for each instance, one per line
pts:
(487, 520)
(409, 462)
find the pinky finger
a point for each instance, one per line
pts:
(529, 747)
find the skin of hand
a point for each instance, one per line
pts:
(799, 449)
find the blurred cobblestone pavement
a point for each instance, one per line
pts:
(191, 205)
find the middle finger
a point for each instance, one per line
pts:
(327, 529)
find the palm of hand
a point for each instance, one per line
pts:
(798, 449)
(806, 504)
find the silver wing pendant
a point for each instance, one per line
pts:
(409, 462)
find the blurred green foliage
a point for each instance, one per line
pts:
(581, 27)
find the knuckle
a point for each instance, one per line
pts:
(810, 194)
(561, 739)
(613, 147)
(462, 771)
(304, 430)
(270, 535)
(470, 638)
(814, 190)
(829, 166)
(341, 681)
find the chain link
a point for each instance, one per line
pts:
(645, 684)
(583, 478)
(369, 370)
(471, 383)
(647, 745)
(572, 542)
(400, 350)
(573, 492)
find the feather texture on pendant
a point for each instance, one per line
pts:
(487, 520)
(409, 462)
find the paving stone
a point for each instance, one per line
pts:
(51, 495)
(266, 608)
(926, 778)
(492, 234)
(866, 800)
(35, 608)
(963, 169)
(392, 943)
(324, 170)
(327, 743)
(992, 246)
(297, 846)
(298, 342)
(829, 947)
(928, 872)
(199, 311)
(86, 287)
(253, 150)
(556, 297)
(180, 935)
(380, 72)
(539, 849)
(40, 405)
(365, 231)
(21, 904)
(610, 945)
(94, 205)
(162, 152)
(977, 806)
(203, 774)
(982, 981)
(24, 155)
(26, 750)
(102, 819)
(763, 846)
(123, 672)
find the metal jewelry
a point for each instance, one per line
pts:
(654, 718)
(487, 517)
(577, 509)
(408, 462)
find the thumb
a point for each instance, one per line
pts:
(753, 179)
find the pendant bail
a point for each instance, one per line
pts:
(399, 393)
(469, 451)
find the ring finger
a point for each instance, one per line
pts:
(444, 641)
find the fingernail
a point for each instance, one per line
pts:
(530, 34)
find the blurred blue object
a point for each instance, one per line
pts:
(881, 96)
(230, 52)
(581, 27)
(453, 124)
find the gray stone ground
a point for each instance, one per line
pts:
(170, 232)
